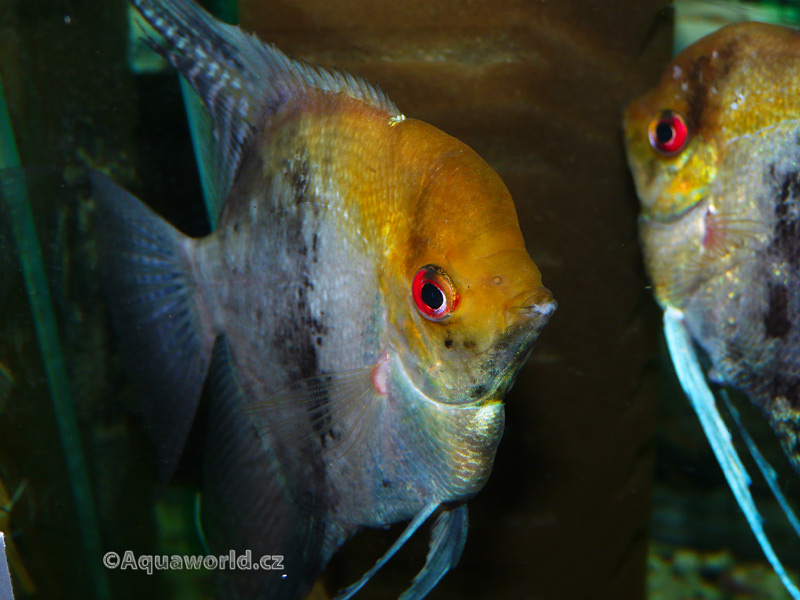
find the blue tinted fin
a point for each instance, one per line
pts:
(254, 501)
(415, 523)
(240, 80)
(769, 474)
(6, 592)
(693, 381)
(447, 542)
(146, 271)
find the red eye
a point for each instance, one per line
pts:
(434, 294)
(668, 132)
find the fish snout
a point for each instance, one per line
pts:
(531, 308)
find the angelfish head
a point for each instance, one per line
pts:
(468, 300)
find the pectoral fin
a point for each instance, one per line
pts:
(340, 409)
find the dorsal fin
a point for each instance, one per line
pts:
(239, 78)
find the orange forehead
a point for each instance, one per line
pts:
(732, 82)
(462, 219)
(461, 208)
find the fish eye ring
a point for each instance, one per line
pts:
(434, 294)
(668, 133)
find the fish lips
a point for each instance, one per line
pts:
(514, 346)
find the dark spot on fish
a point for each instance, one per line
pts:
(319, 341)
(776, 320)
(470, 344)
(696, 95)
(726, 57)
(477, 391)
(448, 344)
(705, 70)
(733, 351)
(386, 483)
(236, 227)
(296, 172)
(785, 386)
(786, 234)
(788, 388)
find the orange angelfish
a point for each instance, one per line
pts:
(361, 310)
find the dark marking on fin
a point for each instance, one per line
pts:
(152, 298)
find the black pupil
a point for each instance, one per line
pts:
(664, 132)
(432, 296)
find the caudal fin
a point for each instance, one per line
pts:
(146, 270)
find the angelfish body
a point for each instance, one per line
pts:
(361, 310)
(715, 151)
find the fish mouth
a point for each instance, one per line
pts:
(474, 379)
(503, 361)
(532, 310)
(669, 208)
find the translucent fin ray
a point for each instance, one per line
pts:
(692, 379)
(769, 474)
(340, 406)
(448, 538)
(415, 523)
